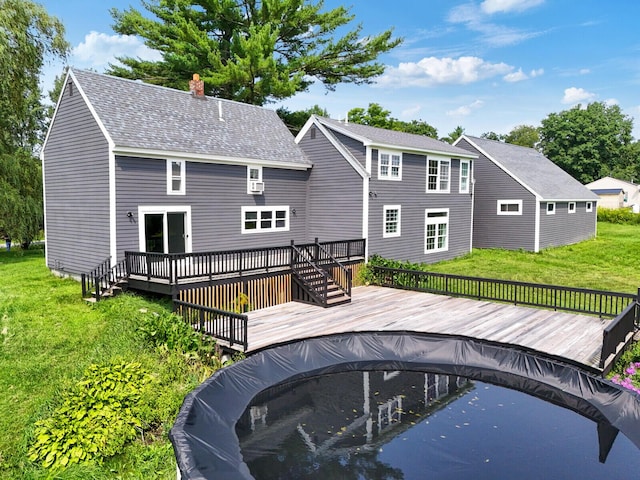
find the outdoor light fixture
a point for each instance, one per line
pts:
(129, 214)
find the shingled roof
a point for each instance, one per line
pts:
(533, 170)
(148, 117)
(380, 137)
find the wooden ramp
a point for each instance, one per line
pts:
(576, 337)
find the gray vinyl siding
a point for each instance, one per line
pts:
(76, 176)
(490, 230)
(355, 147)
(410, 194)
(564, 228)
(334, 194)
(216, 193)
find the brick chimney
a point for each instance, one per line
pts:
(196, 87)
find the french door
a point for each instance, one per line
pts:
(165, 229)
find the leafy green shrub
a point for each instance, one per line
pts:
(96, 419)
(618, 215)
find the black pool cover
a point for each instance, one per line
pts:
(204, 436)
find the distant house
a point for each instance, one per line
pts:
(615, 193)
(522, 200)
(408, 195)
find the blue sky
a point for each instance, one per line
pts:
(486, 65)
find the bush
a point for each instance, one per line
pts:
(97, 418)
(618, 215)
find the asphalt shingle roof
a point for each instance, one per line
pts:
(139, 115)
(381, 136)
(534, 170)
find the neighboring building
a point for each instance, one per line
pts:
(408, 195)
(132, 166)
(522, 200)
(614, 193)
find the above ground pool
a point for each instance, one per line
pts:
(394, 406)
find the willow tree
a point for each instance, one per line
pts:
(254, 51)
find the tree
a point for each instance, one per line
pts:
(253, 51)
(376, 116)
(28, 36)
(588, 143)
(523, 135)
(493, 136)
(453, 136)
(296, 120)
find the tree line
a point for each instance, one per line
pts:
(254, 51)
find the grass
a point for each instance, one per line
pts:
(49, 335)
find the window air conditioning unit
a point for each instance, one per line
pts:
(256, 187)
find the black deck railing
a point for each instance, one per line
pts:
(176, 268)
(230, 327)
(303, 266)
(579, 300)
(618, 335)
(102, 278)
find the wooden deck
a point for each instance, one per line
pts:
(576, 337)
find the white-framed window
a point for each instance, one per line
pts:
(391, 219)
(572, 207)
(175, 177)
(589, 206)
(438, 175)
(551, 208)
(509, 207)
(389, 165)
(436, 231)
(255, 185)
(265, 219)
(465, 174)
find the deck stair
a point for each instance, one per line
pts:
(104, 281)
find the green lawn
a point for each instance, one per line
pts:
(49, 335)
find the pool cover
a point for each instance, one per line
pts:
(204, 437)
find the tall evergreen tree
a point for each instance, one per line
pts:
(254, 51)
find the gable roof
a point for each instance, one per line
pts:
(610, 182)
(533, 170)
(382, 138)
(141, 118)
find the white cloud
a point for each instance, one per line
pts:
(584, 71)
(503, 6)
(465, 110)
(515, 76)
(411, 112)
(611, 101)
(536, 72)
(99, 49)
(574, 95)
(432, 71)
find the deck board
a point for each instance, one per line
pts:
(568, 335)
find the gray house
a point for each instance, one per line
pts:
(408, 195)
(131, 166)
(522, 200)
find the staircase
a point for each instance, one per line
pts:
(104, 281)
(312, 281)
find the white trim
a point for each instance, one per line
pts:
(385, 209)
(460, 189)
(536, 239)
(366, 185)
(500, 203)
(438, 175)
(164, 209)
(44, 208)
(249, 179)
(389, 176)
(183, 177)
(553, 210)
(572, 210)
(55, 113)
(260, 209)
(473, 205)
(435, 222)
(113, 224)
(588, 206)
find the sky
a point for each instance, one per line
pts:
(485, 65)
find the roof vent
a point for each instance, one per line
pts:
(196, 87)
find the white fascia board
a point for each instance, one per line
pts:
(305, 128)
(420, 151)
(55, 112)
(503, 168)
(343, 151)
(205, 158)
(345, 132)
(568, 200)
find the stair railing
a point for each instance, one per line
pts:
(343, 279)
(300, 260)
(102, 278)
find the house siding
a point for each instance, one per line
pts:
(215, 193)
(334, 192)
(355, 147)
(76, 176)
(410, 194)
(491, 230)
(564, 228)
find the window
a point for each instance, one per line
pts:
(465, 168)
(175, 177)
(391, 221)
(551, 208)
(438, 175)
(265, 219)
(255, 185)
(572, 207)
(436, 230)
(389, 165)
(509, 207)
(589, 206)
